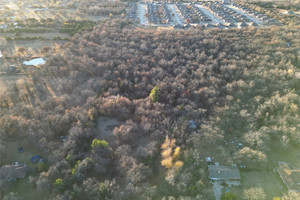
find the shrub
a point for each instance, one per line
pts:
(228, 196)
(154, 95)
(99, 143)
(59, 183)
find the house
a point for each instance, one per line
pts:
(231, 25)
(224, 1)
(287, 12)
(223, 173)
(208, 25)
(178, 26)
(289, 175)
(243, 24)
(186, 26)
(13, 172)
(219, 25)
(253, 24)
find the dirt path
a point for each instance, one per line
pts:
(105, 126)
(217, 188)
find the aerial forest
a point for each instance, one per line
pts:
(178, 95)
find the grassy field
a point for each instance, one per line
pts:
(26, 191)
(269, 181)
(24, 157)
(290, 155)
(30, 45)
(23, 188)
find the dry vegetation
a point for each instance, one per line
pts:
(144, 86)
(233, 83)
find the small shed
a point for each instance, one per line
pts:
(208, 159)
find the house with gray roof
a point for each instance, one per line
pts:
(223, 173)
(13, 172)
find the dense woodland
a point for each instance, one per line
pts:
(232, 83)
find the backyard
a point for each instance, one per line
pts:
(22, 187)
(269, 181)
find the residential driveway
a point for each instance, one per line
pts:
(217, 187)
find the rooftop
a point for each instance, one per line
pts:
(13, 171)
(290, 176)
(219, 172)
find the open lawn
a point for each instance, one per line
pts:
(290, 155)
(26, 191)
(106, 126)
(24, 157)
(22, 187)
(270, 182)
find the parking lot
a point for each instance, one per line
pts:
(206, 14)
